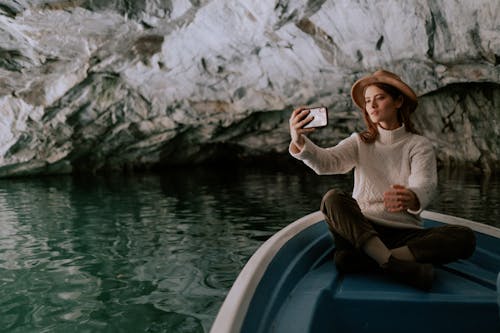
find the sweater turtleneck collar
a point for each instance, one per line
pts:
(388, 137)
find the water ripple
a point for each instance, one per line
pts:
(156, 253)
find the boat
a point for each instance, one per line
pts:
(290, 284)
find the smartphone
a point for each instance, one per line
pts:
(320, 117)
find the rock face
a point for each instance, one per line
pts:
(91, 85)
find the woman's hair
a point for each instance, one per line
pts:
(371, 132)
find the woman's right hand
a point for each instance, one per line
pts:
(298, 120)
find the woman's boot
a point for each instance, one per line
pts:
(410, 272)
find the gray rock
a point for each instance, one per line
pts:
(91, 85)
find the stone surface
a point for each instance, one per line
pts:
(91, 85)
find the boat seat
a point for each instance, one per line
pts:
(358, 301)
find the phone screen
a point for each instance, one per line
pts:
(320, 117)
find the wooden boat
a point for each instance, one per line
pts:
(291, 285)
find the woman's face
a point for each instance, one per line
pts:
(382, 108)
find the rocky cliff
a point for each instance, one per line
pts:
(91, 85)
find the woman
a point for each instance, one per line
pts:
(379, 227)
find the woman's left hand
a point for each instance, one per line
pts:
(399, 198)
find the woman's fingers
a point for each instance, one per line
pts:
(306, 120)
(298, 115)
(397, 199)
(296, 112)
(306, 130)
(298, 120)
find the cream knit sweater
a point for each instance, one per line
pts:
(396, 157)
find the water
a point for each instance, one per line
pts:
(158, 253)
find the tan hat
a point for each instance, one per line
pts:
(382, 76)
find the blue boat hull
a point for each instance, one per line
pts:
(301, 291)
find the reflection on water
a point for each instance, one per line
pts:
(157, 253)
(473, 197)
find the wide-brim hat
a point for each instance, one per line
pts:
(382, 76)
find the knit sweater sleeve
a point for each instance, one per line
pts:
(334, 160)
(423, 177)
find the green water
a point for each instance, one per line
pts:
(158, 253)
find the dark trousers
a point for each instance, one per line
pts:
(351, 229)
